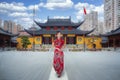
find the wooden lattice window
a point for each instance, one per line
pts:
(55, 28)
(48, 28)
(62, 28)
(69, 28)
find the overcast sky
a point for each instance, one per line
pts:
(21, 11)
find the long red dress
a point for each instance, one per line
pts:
(58, 62)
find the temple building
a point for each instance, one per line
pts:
(7, 39)
(69, 29)
(113, 38)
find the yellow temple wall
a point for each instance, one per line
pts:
(89, 41)
(37, 39)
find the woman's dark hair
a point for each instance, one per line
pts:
(58, 32)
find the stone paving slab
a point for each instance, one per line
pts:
(18, 65)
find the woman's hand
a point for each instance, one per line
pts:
(58, 49)
(62, 49)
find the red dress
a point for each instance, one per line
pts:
(58, 62)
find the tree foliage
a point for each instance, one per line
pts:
(25, 42)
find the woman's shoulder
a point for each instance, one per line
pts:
(54, 40)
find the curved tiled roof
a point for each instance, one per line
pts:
(3, 32)
(59, 23)
(113, 32)
(43, 31)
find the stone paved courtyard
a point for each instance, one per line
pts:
(21, 65)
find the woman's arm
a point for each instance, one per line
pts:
(63, 47)
(53, 44)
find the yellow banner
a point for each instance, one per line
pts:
(71, 35)
(47, 35)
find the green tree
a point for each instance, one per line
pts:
(25, 42)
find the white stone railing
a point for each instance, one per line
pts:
(8, 48)
(111, 49)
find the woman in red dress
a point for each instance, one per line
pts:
(58, 62)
